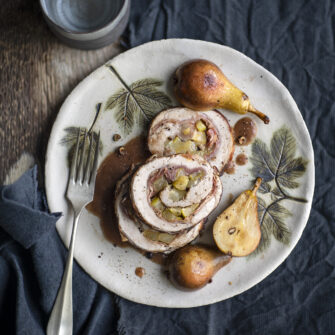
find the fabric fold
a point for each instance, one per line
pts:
(24, 215)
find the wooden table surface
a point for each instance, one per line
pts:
(37, 73)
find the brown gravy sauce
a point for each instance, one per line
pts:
(241, 159)
(230, 167)
(114, 166)
(245, 131)
(140, 272)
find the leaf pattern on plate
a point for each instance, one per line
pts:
(279, 169)
(138, 102)
(70, 138)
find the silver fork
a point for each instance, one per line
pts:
(80, 192)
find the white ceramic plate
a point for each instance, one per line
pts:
(287, 212)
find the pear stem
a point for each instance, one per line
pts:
(262, 116)
(258, 183)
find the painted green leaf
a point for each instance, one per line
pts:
(264, 188)
(275, 194)
(125, 109)
(291, 171)
(272, 222)
(261, 207)
(280, 169)
(264, 243)
(261, 161)
(287, 168)
(70, 140)
(274, 219)
(273, 197)
(276, 191)
(282, 147)
(265, 229)
(278, 162)
(139, 102)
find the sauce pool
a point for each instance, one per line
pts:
(241, 159)
(245, 131)
(139, 271)
(114, 166)
(229, 168)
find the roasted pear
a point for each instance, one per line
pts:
(193, 266)
(201, 85)
(237, 230)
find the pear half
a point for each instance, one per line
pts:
(237, 230)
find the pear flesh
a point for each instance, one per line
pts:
(201, 85)
(237, 230)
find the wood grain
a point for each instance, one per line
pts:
(37, 73)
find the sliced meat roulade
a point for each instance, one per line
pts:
(141, 235)
(174, 193)
(182, 130)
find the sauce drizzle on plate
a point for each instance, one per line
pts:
(245, 131)
(110, 172)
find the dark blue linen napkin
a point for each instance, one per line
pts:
(295, 41)
(32, 261)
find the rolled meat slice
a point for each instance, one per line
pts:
(182, 130)
(141, 235)
(174, 193)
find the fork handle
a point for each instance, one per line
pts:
(61, 319)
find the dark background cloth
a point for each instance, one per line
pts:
(295, 41)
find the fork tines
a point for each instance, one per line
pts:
(84, 170)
